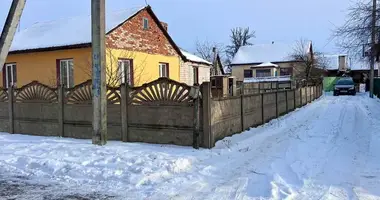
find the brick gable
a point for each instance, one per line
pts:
(132, 37)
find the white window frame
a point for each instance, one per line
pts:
(11, 70)
(147, 23)
(163, 69)
(66, 82)
(121, 66)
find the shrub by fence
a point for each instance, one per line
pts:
(158, 112)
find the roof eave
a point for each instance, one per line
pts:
(56, 48)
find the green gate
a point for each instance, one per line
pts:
(328, 83)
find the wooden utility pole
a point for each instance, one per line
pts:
(10, 28)
(373, 45)
(99, 101)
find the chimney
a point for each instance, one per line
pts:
(165, 25)
(272, 42)
(342, 63)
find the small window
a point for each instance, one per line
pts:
(247, 73)
(196, 75)
(145, 24)
(10, 75)
(263, 73)
(286, 71)
(164, 70)
(66, 73)
(213, 82)
(125, 67)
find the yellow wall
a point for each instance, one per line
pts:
(145, 66)
(41, 66)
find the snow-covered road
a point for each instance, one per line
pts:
(329, 149)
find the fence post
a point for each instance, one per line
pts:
(11, 109)
(294, 95)
(262, 108)
(61, 110)
(301, 99)
(242, 110)
(286, 97)
(195, 97)
(208, 139)
(277, 114)
(124, 91)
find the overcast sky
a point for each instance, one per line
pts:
(190, 20)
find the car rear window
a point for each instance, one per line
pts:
(345, 82)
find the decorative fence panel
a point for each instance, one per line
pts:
(163, 111)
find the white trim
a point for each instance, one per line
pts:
(163, 67)
(67, 81)
(12, 65)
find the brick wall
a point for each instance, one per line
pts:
(132, 36)
(187, 73)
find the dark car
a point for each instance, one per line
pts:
(344, 86)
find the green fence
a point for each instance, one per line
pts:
(328, 83)
(376, 87)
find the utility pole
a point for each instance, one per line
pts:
(99, 101)
(10, 28)
(372, 56)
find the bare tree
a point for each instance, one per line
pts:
(310, 65)
(354, 36)
(114, 71)
(204, 49)
(239, 37)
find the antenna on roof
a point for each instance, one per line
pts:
(272, 42)
(146, 2)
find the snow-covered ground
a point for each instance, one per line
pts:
(329, 149)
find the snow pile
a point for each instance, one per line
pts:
(327, 150)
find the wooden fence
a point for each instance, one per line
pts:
(158, 112)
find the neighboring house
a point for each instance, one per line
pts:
(267, 62)
(360, 70)
(54, 52)
(336, 65)
(194, 69)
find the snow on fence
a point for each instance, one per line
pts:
(161, 111)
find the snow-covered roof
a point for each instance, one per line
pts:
(267, 64)
(194, 58)
(361, 64)
(259, 53)
(65, 32)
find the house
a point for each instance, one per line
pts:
(360, 70)
(336, 65)
(59, 52)
(194, 70)
(267, 62)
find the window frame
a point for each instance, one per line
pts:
(147, 23)
(246, 70)
(289, 71)
(160, 70)
(196, 75)
(13, 71)
(130, 70)
(270, 73)
(70, 82)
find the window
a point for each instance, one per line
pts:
(10, 75)
(66, 73)
(263, 72)
(196, 75)
(125, 67)
(145, 24)
(247, 73)
(286, 71)
(164, 70)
